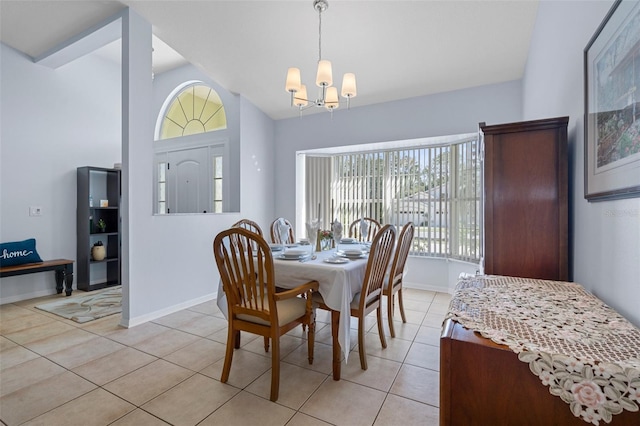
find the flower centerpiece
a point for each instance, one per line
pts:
(326, 238)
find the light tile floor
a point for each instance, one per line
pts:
(57, 372)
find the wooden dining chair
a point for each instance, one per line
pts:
(248, 224)
(370, 295)
(355, 230)
(254, 306)
(275, 232)
(252, 226)
(393, 282)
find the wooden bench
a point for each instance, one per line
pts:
(62, 267)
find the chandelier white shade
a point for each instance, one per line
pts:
(293, 80)
(328, 94)
(331, 99)
(300, 98)
(349, 85)
(324, 76)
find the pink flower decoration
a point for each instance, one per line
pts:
(588, 394)
(574, 365)
(546, 378)
(590, 416)
(603, 370)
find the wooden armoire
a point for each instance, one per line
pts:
(526, 197)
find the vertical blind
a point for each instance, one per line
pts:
(438, 188)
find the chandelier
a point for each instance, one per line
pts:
(327, 94)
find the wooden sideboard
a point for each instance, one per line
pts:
(543, 336)
(483, 383)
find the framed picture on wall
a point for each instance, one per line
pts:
(612, 105)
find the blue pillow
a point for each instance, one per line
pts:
(19, 253)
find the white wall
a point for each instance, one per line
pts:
(177, 268)
(50, 126)
(605, 235)
(258, 166)
(53, 121)
(436, 115)
(170, 262)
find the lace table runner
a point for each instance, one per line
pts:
(587, 353)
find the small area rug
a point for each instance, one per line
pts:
(94, 305)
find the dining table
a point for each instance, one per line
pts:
(340, 278)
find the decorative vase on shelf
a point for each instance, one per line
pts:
(98, 251)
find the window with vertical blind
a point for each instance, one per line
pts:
(437, 186)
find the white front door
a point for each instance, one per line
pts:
(188, 181)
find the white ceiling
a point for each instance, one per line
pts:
(397, 49)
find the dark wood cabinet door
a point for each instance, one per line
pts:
(526, 196)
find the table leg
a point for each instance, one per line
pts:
(337, 353)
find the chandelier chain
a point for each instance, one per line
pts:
(328, 96)
(319, 34)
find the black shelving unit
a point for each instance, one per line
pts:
(97, 183)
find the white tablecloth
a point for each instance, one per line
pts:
(339, 283)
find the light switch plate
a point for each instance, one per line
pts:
(35, 211)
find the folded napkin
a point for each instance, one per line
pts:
(312, 230)
(364, 229)
(283, 230)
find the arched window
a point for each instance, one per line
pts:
(197, 108)
(191, 169)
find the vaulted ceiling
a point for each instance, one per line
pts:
(397, 49)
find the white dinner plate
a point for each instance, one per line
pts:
(336, 260)
(296, 257)
(348, 241)
(276, 247)
(295, 252)
(352, 256)
(351, 252)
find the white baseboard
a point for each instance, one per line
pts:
(132, 322)
(421, 286)
(21, 297)
(175, 308)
